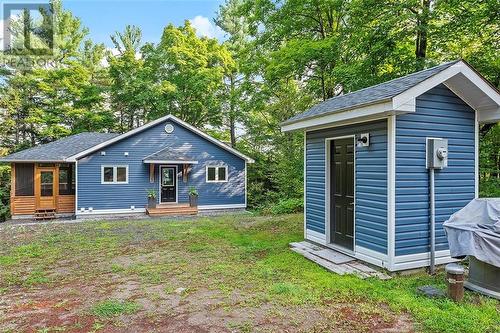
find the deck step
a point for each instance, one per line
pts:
(45, 214)
(172, 210)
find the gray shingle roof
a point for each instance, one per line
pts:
(168, 154)
(373, 94)
(58, 150)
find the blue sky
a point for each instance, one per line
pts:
(104, 17)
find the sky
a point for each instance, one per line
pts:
(104, 17)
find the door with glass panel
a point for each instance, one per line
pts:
(45, 188)
(168, 184)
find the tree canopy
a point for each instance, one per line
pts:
(277, 58)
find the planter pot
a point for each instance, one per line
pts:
(151, 202)
(193, 200)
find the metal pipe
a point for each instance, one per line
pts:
(433, 220)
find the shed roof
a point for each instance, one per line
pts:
(59, 150)
(373, 94)
(399, 96)
(169, 155)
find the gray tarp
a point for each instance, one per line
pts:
(475, 231)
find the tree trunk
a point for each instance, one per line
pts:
(421, 38)
(232, 116)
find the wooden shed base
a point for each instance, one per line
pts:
(172, 210)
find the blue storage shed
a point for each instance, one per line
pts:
(366, 175)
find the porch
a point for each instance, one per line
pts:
(42, 190)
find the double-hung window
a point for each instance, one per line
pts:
(114, 174)
(216, 174)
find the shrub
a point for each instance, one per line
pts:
(4, 192)
(286, 206)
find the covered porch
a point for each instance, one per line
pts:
(173, 169)
(42, 190)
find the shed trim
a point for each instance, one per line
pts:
(391, 189)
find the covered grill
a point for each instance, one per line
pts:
(474, 231)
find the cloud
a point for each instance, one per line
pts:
(206, 28)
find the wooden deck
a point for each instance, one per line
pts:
(336, 262)
(172, 210)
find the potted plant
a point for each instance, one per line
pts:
(151, 198)
(193, 197)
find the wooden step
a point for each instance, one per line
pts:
(45, 214)
(172, 209)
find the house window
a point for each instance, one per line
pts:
(216, 174)
(114, 174)
(66, 179)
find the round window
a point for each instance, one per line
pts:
(169, 128)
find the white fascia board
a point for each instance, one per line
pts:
(367, 112)
(465, 82)
(169, 162)
(153, 123)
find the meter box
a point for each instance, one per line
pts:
(437, 153)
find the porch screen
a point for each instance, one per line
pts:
(66, 179)
(24, 179)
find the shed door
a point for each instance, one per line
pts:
(342, 193)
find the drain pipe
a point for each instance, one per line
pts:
(433, 221)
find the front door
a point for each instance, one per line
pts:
(168, 185)
(342, 193)
(45, 188)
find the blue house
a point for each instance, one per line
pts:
(367, 181)
(102, 173)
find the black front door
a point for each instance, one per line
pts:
(342, 193)
(168, 184)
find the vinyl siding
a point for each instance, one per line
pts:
(371, 183)
(439, 113)
(91, 193)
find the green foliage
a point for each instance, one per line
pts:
(489, 166)
(193, 192)
(285, 206)
(111, 308)
(278, 58)
(4, 192)
(151, 193)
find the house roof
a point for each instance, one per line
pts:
(60, 150)
(376, 93)
(169, 155)
(398, 96)
(156, 122)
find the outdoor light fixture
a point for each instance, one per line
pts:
(363, 140)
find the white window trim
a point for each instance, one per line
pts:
(216, 174)
(114, 182)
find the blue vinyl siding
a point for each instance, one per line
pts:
(371, 183)
(439, 113)
(91, 193)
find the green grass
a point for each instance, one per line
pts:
(248, 255)
(111, 308)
